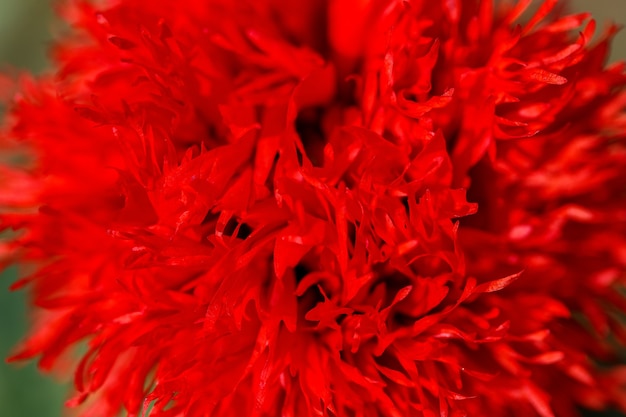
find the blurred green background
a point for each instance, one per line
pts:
(25, 31)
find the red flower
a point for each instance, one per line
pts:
(258, 208)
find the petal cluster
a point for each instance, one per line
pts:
(346, 208)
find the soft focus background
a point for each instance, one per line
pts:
(25, 32)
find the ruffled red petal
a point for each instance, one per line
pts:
(346, 209)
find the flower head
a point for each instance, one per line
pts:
(325, 208)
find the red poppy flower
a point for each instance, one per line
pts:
(324, 208)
